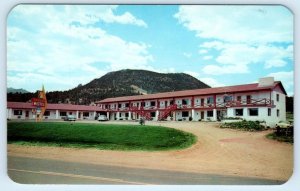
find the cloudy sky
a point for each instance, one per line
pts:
(62, 46)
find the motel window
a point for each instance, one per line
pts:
(239, 112)
(120, 105)
(47, 113)
(152, 103)
(277, 97)
(126, 114)
(269, 111)
(253, 111)
(62, 113)
(278, 112)
(86, 114)
(184, 102)
(210, 113)
(120, 115)
(127, 105)
(210, 100)
(185, 114)
(239, 98)
(248, 99)
(17, 112)
(227, 98)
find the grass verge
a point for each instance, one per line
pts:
(281, 138)
(100, 136)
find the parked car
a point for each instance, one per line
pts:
(70, 118)
(102, 118)
(284, 124)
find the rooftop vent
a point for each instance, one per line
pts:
(267, 81)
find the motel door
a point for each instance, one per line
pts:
(202, 114)
(27, 114)
(221, 114)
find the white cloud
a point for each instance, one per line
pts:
(50, 47)
(275, 63)
(202, 51)
(207, 57)
(240, 35)
(242, 55)
(188, 55)
(212, 82)
(209, 81)
(287, 79)
(218, 45)
(194, 74)
(232, 23)
(228, 69)
(82, 14)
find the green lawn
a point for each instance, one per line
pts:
(100, 136)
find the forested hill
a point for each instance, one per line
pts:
(118, 83)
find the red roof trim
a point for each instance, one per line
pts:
(281, 87)
(196, 92)
(65, 107)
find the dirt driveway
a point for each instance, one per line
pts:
(218, 151)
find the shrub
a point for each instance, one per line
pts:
(244, 125)
(190, 118)
(231, 118)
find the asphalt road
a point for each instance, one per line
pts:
(42, 171)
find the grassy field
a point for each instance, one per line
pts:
(100, 136)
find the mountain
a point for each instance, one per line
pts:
(13, 90)
(122, 83)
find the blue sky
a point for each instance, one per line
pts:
(62, 46)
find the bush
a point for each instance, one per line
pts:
(190, 118)
(225, 118)
(244, 125)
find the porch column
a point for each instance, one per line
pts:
(156, 115)
(245, 112)
(94, 114)
(129, 115)
(215, 114)
(107, 115)
(193, 115)
(118, 115)
(77, 114)
(174, 115)
(56, 114)
(9, 113)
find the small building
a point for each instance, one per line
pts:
(21, 110)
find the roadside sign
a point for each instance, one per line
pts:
(38, 102)
(38, 110)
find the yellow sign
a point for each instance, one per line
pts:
(42, 107)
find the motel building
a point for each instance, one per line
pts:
(263, 101)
